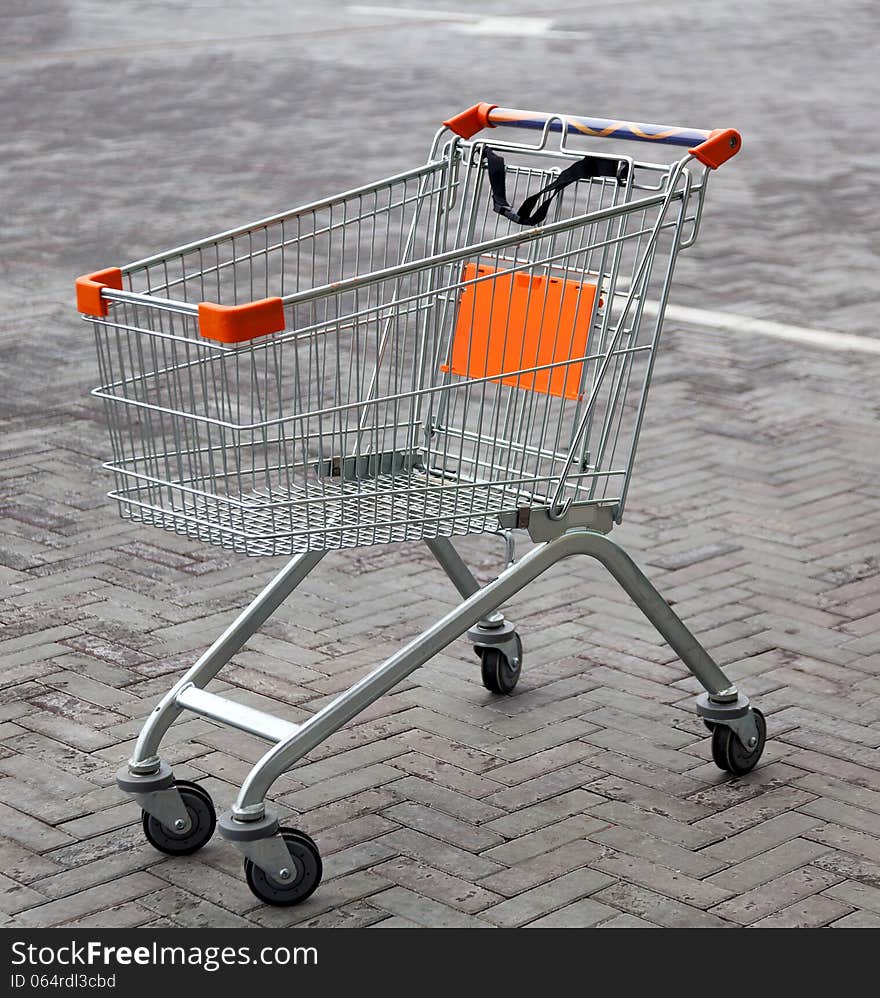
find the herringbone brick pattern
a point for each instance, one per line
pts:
(589, 797)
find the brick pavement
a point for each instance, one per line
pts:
(588, 798)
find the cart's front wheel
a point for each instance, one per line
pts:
(202, 818)
(500, 673)
(729, 752)
(304, 872)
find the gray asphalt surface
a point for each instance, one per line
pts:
(130, 126)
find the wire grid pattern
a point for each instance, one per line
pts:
(349, 429)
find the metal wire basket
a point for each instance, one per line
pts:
(401, 361)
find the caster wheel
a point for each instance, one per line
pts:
(500, 675)
(203, 819)
(730, 754)
(305, 869)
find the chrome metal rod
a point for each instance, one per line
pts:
(278, 760)
(459, 574)
(451, 562)
(236, 715)
(145, 758)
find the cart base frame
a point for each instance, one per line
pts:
(254, 830)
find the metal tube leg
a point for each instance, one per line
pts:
(145, 759)
(250, 805)
(460, 575)
(642, 592)
(278, 760)
(492, 630)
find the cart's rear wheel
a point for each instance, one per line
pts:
(500, 673)
(730, 754)
(203, 821)
(305, 872)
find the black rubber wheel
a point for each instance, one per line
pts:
(203, 820)
(500, 675)
(305, 867)
(730, 754)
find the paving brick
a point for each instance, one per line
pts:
(449, 801)
(753, 811)
(542, 787)
(525, 846)
(357, 857)
(29, 831)
(626, 922)
(424, 911)
(779, 893)
(654, 800)
(186, 910)
(847, 840)
(656, 825)
(341, 786)
(848, 866)
(80, 878)
(541, 865)
(129, 915)
(15, 897)
(338, 893)
(858, 920)
(433, 851)
(644, 846)
(679, 886)
(344, 810)
(447, 775)
(106, 895)
(538, 763)
(768, 865)
(656, 908)
(810, 913)
(759, 838)
(582, 914)
(443, 826)
(853, 817)
(538, 901)
(529, 819)
(539, 729)
(436, 884)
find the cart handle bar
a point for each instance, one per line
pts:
(711, 148)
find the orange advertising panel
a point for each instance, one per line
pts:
(514, 322)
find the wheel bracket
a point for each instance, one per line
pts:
(157, 794)
(502, 637)
(736, 715)
(261, 842)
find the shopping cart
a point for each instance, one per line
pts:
(464, 347)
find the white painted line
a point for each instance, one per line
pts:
(823, 339)
(504, 25)
(472, 23)
(413, 13)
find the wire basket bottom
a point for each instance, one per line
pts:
(328, 516)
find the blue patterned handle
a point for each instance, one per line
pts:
(710, 147)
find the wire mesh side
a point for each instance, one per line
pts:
(354, 428)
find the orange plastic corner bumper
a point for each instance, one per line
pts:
(475, 119)
(722, 144)
(88, 290)
(237, 323)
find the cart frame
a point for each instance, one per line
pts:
(280, 859)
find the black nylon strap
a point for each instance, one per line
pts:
(534, 209)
